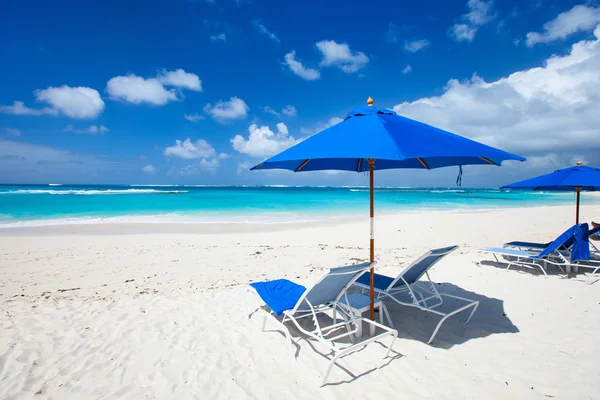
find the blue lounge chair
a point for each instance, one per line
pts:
(287, 301)
(408, 289)
(533, 246)
(576, 238)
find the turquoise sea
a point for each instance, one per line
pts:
(22, 205)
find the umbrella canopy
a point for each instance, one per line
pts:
(372, 138)
(575, 179)
(394, 141)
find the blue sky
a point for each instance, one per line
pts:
(197, 91)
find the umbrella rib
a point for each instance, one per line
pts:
(423, 163)
(303, 164)
(488, 160)
(358, 166)
(258, 166)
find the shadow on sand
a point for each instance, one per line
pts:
(414, 324)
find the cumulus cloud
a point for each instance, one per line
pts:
(194, 117)
(340, 55)
(73, 102)
(181, 79)
(188, 150)
(137, 90)
(224, 111)
(264, 31)
(550, 109)
(578, 19)
(407, 70)
(262, 141)
(306, 73)
(480, 13)
(416, 44)
(223, 156)
(271, 110)
(92, 129)
(221, 37)
(149, 169)
(12, 131)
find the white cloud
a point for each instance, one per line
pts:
(463, 32)
(194, 117)
(262, 141)
(263, 30)
(270, 110)
(480, 13)
(137, 90)
(149, 169)
(296, 67)
(407, 70)
(73, 102)
(340, 55)
(19, 108)
(12, 131)
(24, 162)
(550, 109)
(223, 156)
(416, 44)
(205, 165)
(580, 18)
(188, 150)
(289, 111)
(92, 129)
(77, 102)
(181, 79)
(320, 126)
(393, 33)
(221, 37)
(224, 111)
(243, 167)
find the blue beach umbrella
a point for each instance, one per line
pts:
(372, 138)
(573, 179)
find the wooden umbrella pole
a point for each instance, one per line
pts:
(372, 253)
(578, 189)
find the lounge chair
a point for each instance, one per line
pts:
(293, 301)
(576, 238)
(408, 290)
(533, 246)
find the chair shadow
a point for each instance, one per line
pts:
(551, 270)
(489, 319)
(346, 341)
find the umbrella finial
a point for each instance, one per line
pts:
(369, 101)
(579, 162)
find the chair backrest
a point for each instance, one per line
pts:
(559, 242)
(581, 245)
(332, 285)
(417, 268)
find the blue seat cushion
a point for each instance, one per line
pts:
(280, 295)
(382, 282)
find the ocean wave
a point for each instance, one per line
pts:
(90, 192)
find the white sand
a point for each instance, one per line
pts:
(159, 315)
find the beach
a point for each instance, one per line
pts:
(133, 310)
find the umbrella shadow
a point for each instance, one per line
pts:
(415, 324)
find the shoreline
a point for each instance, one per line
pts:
(185, 225)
